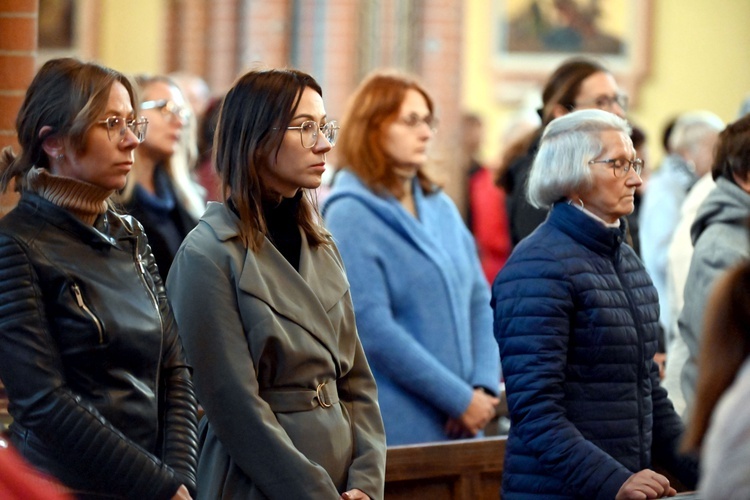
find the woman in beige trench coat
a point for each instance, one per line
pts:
(265, 315)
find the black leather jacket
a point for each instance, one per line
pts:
(99, 388)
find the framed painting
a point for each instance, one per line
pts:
(532, 37)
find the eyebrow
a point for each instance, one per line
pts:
(112, 112)
(308, 116)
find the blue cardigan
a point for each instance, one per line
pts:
(576, 318)
(421, 305)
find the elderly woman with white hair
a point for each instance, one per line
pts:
(576, 318)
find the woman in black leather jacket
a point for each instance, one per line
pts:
(99, 389)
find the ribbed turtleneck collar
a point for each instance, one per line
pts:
(85, 201)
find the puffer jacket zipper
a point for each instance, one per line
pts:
(82, 305)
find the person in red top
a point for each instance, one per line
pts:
(20, 481)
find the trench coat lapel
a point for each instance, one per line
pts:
(303, 297)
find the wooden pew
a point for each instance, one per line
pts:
(455, 470)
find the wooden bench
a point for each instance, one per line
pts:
(455, 470)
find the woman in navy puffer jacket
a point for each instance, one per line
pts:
(576, 318)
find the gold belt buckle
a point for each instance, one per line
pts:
(321, 398)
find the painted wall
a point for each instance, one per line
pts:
(131, 35)
(700, 59)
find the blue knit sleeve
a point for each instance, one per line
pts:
(390, 348)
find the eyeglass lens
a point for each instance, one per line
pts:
(118, 126)
(169, 109)
(309, 132)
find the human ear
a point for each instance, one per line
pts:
(52, 144)
(559, 110)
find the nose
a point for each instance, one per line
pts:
(322, 145)
(633, 178)
(617, 109)
(129, 140)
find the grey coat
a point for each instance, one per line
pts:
(262, 337)
(720, 238)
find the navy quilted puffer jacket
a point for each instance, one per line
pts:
(576, 318)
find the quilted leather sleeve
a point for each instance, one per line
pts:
(42, 402)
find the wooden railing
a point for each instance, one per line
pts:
(455, 470)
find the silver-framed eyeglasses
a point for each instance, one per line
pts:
(308, 132)
(621, 166)
(414, 120)
(169, 109)
(606, 102)
(117, 127)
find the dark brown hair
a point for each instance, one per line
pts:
(724, 347)
(733, 151)
(561, 88)
(252, 122)
(67, 95)
(375, 105)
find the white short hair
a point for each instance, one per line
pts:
(691, 127)
(561, 166)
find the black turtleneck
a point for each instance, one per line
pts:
(283, 230)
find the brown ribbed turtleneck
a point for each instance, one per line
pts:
(85, 201)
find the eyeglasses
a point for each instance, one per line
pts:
(118, 126)
(606, 102)
(308, 132)
(621, 166)
(414, 120)
(169, 109)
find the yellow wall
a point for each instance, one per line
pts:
(700, 59)
(132, 35)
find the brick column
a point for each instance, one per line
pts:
(18, 42)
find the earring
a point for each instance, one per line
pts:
(580, 202)
(60, 157)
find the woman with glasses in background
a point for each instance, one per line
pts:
(576, 318)
(99, 389)
(160, 192)
(577, 83)
(263, 303)
(420, 296)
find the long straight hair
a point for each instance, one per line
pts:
(725, 345)
(252, 123)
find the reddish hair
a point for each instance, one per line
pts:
(372, 108)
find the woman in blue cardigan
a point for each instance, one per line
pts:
(576, 317)
(420, 298)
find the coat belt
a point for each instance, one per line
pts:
(292, 400)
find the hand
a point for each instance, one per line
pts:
(182, 494)
(481, 410)
(661, 361)
(455, 429)
(645, 484)
(354, 494)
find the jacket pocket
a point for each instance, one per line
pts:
(88, 313)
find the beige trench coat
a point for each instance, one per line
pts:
(290, 402)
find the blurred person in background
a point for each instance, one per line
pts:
(160, 192)
(576, 84)
(486, 216)
(576, 319)
(719, 236)
(691, 146)
(720, 421)
(206, 174)
(420, 297)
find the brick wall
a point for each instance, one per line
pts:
(335, 42)
(18, 45)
